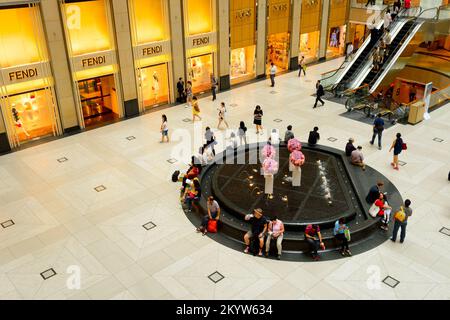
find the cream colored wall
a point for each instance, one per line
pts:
(124, 49)
(224, 37)
(51, 17)
(261, 38)
(177, 34)
(295, 34)
(324, 29)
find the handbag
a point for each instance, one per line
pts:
(212, 226)
(347, 234)
(373, 211)
(404, 146)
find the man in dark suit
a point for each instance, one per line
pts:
(319, 94)
(180, 89)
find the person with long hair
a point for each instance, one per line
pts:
(242, 133)
(257, 116)
(195, 109)
(397, 146)
(222, 113)
(164, 129)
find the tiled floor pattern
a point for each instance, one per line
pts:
(131, 240)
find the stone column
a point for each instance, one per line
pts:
(177, 42)
(124, 50)
(224, 43)
(295, 34)
(324, 30)
(261, 46)
(52, 22)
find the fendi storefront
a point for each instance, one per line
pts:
(200, 43)
(278, 33)
(91, 48)
(151, 48)
(310, 23)
(337, 28)
(243, 40)
(28, 102)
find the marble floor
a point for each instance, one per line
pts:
(97, 215)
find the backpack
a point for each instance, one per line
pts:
(400, 215)
(175, 176)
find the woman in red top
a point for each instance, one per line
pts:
(382, 204)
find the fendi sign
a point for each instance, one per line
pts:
(153, 49)
(23, 73)
(201, 40)
(91, 61)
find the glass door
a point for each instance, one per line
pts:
(200, 71)
(154, 85)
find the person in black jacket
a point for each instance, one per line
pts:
(180, 89)
(319, 93)
(374, 192)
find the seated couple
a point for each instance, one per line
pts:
(260, 228)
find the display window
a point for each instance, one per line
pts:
(278, 51)
(200, 71)
(336, 42)
(154, 83)
(309, 46)
(98, 100)
(31, 115)
(357, 34)
(242, 64)
(199, 16)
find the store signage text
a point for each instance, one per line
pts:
(242, 14)
(150, 51)
(280, 7)
(23, 74)
(95, 61)
(198, 42)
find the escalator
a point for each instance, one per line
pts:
(394, 47)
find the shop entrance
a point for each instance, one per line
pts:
(309, 46)
(278, 51)
(336, 42)
(99, 102)
(200, 71)
(31, 116)
(357, 35)
(154, 84)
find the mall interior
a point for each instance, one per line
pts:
(86, 183)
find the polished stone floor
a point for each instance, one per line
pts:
(107, 208)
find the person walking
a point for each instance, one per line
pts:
(257, 119)
(319, 94)
(195, 109)
(349, 52)
(222, 113)
(398, 146)
(273, 72)
(242, 133)
(302, 66)
(164, 129)
(401, 221)
(210, 139)
(180, 89)
(378, 128)
(340, 230)
(275, 231)
(214, 87)
(189, 94)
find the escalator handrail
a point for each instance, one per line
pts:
(376, 45)
(333, 86)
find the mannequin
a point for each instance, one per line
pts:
(18, 121)
(243, 62)
(155, 85)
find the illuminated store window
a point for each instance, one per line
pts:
(200, 16)
(243, 40)
(200, 70)
(94, 65)
(151, 42)
(336, 42)
(357, 34)
(279, 38)
(155, 85)
(27, 96)
(310, 24)
(243, 64)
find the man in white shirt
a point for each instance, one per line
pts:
(273, 71)
(357, 158)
